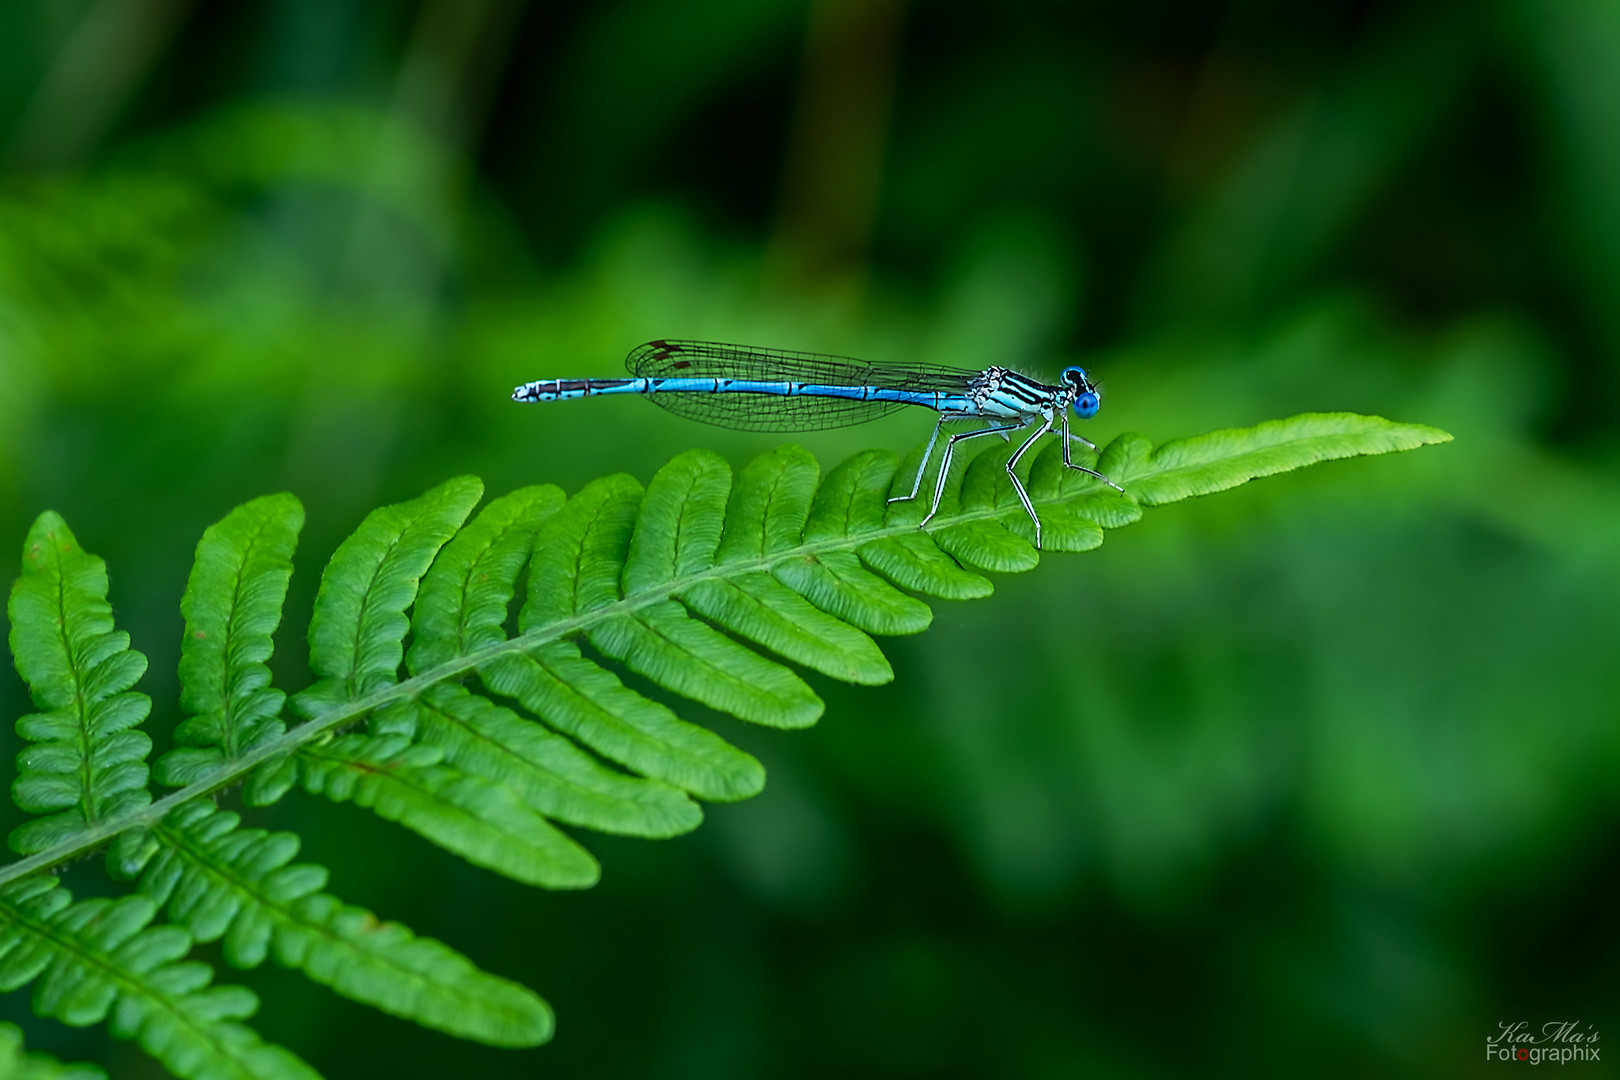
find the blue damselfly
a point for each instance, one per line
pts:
(739, 386)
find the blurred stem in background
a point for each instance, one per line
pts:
(837, 142)
(1285, 205)
(1568, 56)
(107, 55)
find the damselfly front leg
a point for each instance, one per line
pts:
(1082, 440)
(1081, 468)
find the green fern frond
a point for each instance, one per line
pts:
(665, 582)
(221, 881)
(1183, 468)
(767, 513)
(102, 960)
(587, 702)
(461, 609)
(465, 594)
(357, 633)
(551, 774)
(87, 764)
(662, 642)
(485, 824)
(17, 1064)
(853, 497)
(232, 604)
(488, 745)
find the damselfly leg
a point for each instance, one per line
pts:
(1012, 474)
(1067, 435)
(922, 466)
(945, 463)
(928, 452)
(1083, 441)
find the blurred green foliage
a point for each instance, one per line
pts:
(1319, 777)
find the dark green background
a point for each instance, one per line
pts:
(1317, 777)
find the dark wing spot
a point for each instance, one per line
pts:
(679, 364)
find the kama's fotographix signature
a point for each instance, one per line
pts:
(1555, 1042)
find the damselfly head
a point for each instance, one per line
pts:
(1086, 402)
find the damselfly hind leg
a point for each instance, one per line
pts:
(928, 452)
(945, 463)
(922, 466)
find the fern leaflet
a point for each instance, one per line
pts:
(86, 765)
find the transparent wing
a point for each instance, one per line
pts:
(780, 412)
